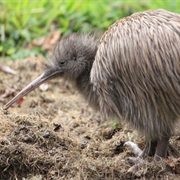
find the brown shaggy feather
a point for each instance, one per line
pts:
(136, 71)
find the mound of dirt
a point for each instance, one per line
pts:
(53, 134)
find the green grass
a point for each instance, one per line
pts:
(21, 21)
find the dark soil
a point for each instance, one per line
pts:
(53, 134)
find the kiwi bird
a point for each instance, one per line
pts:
(131, 72)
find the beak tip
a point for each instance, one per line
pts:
(4, 107)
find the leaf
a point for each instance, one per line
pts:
(7, 69)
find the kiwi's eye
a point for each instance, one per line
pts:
(62, 63)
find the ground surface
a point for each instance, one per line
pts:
(53, 134)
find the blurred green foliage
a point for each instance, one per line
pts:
(21, 21)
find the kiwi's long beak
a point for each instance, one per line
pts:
(30, 87)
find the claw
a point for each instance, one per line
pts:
(134, 147)
(133, 169)
(135, 160)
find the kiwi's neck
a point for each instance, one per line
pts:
(85, 87)
(83, 84)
